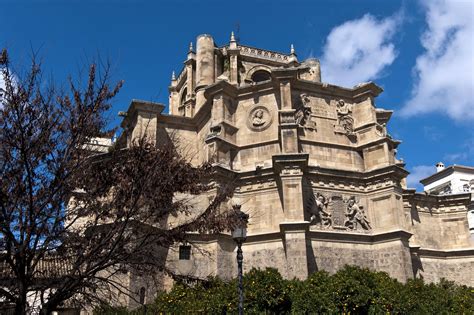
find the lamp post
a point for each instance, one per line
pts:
(239, 234)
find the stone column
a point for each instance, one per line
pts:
(190, 64)
(204, 67)
(233, 53)
(173, 96)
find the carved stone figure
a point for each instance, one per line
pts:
(303, 114)
(319, 213)
(356, 216)
(344, 117)
(258, 119)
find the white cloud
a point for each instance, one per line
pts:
(359, 50)
(444, 73)
(466, 153)
(419, 172)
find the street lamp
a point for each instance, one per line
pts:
(239, 234)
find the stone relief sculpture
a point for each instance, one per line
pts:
(338, 213)
(356, 216)
(345, 122)
(303, 114)
(319, 211)
(258, 119)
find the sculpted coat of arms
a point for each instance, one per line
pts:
(338, 213)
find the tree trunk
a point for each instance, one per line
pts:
(21, 302)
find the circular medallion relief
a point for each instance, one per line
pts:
(259, 118)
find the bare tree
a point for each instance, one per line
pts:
(90, 216)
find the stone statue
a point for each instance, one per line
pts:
(344, 117)
(303, 115)
(258, 119)
(319, 213)
(356, 216)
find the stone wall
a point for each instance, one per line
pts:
(392, 257)
(432, 269)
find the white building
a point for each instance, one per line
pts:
(454, 179)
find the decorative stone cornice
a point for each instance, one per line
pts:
(442, 253)
(144, 106)
(348, 237)
(264, 54)
(356, 93)
(435, 204)
(221, 87)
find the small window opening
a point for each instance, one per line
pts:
(183, 96)
(465, 188)
(260, 76)
(142, 295)
(184, 252)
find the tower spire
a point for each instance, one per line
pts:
(173, 76)
(232, 37)
(292, 49)
(190, 47)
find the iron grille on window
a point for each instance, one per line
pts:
(184, 252)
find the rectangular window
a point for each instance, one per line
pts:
(184, 252)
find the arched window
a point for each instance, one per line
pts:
(183, 96)
(260, 76)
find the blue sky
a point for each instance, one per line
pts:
(420, 52)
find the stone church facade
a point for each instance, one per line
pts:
(314, 167)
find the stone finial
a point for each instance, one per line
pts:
(190, 47)
(233, 42)
(173, 76)
(292, 49)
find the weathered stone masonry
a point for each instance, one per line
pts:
(316, 169)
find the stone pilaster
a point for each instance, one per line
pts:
(290, 168)
(295, 234)
(288, 125)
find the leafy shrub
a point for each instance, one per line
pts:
(352, 290)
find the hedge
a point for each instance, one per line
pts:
(352, 290)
